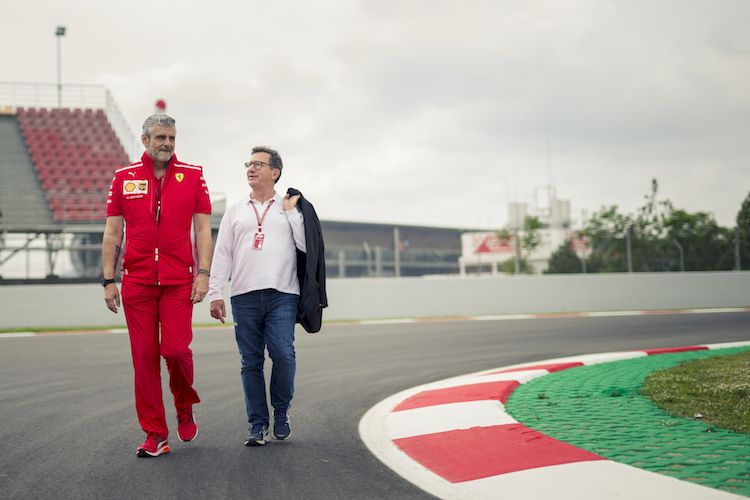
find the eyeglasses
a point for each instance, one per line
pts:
(257, 165)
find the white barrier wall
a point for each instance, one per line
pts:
(70, 306)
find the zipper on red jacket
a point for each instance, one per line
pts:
(156, 259)
(158, 193)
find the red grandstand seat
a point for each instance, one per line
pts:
(48, 184)
(72, 215)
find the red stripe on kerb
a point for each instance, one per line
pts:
(554, 367)
(466, 455)
(461, 394)
(666, 350)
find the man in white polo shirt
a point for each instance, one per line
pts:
(257, 244)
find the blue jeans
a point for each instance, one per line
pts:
(265, 318)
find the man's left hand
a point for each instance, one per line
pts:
(290, 203)
(200, 288)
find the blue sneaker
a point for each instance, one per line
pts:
(258, 435)
(281, 428)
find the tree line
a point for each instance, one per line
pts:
(657, 237)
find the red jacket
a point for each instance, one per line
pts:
(159, 246)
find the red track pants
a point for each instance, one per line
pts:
(146, 307)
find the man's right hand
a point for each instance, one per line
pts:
(112, 297)
(218, 310)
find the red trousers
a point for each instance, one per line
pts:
(146, 308)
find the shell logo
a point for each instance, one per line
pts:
(129, 187)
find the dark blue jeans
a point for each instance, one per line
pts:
(265, 318)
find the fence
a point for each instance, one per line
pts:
(73, 256)
(45, 95)
(354, 250)
(379, 262)
(53, 236)
(357, 250)
(688, 252)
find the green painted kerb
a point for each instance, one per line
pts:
(598, 408)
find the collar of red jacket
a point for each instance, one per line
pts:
(148, 164)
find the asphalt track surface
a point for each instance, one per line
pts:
(68, 427)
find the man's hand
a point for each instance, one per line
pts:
(200, 288)
(290, 203)
(112, 297)
(218, 310)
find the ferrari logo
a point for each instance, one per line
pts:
(179, 177)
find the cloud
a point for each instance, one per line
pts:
(440, 112)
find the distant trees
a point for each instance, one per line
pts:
(661, 238)
(530, 239)
(564, 260)
(706, 245)
(743, 223)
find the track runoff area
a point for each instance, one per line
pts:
(453, 438)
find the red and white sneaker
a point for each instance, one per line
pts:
(154, 446)
(187, 427)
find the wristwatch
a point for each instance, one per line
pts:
(106, 282)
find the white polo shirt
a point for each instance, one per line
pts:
(274, 265)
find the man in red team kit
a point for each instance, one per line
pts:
(158, 213)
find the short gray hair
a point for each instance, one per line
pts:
(159, 119)
(275, 158)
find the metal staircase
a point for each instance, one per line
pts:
(22, 200)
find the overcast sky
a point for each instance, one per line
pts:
(425, 112)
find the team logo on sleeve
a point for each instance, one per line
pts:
(135, 187)
(179, 176)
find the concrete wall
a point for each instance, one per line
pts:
(54, 306)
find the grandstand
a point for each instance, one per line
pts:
(56, 163)
(75, 154)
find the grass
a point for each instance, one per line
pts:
(715, 390)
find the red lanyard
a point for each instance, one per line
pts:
(257, 215)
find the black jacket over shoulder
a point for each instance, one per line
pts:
(311, 269)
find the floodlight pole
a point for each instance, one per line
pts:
(59, 34)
